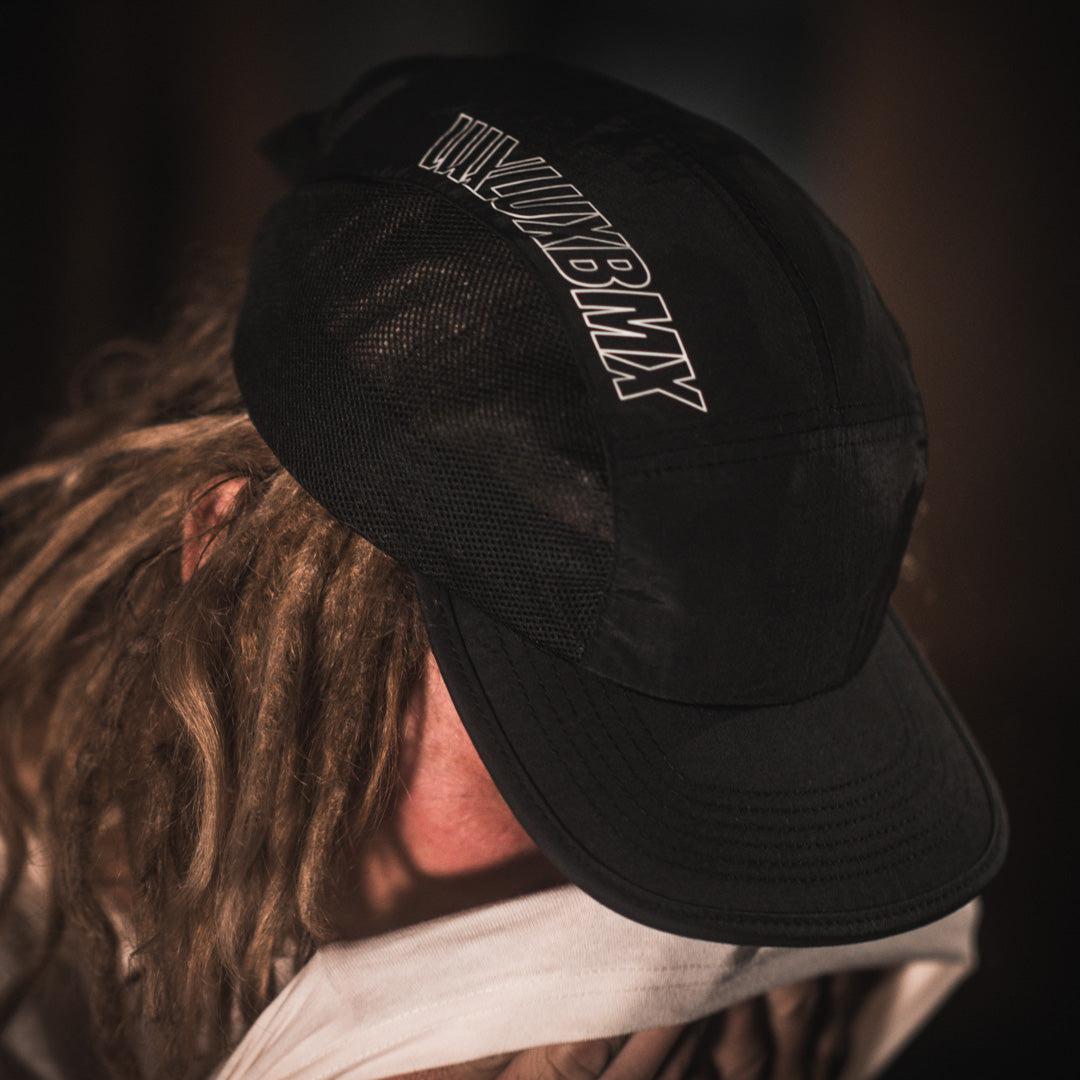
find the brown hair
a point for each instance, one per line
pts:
(189, 758)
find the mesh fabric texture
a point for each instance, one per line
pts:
(410, 372)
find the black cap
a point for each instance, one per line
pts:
(631, 409)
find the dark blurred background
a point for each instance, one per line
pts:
(936, 135)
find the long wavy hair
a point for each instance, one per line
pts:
(188, 759)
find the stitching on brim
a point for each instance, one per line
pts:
(686, 844)
(753, 794)
(724, 921)
(755, 826)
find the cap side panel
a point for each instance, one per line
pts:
(401, 362)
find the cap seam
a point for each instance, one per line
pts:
(754, 794)
(842, 444)
(778, 436)
(850, 406)
(695, 818)
(695, 848)
(763, 229)
(787, 880)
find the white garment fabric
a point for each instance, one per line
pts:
(556, 966)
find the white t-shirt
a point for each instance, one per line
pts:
(550, 967)
(556, 966)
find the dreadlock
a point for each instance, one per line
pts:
(187, 758)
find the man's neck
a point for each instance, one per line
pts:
(384, 890)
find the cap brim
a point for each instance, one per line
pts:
(858, 813)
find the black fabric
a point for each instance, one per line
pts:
(780, 490)
(856, 814)
(403, 363)
(631, 407)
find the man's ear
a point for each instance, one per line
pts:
(207, 511)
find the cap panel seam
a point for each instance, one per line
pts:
(690, 842)
(894, 766)
(816, 410)
(682, 842)
(803, 291)
(841, 444)
(760, 225)
(698, 818)
(855, 425)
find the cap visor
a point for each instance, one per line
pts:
(858, 813)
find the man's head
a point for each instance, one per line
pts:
(615, 422)
(448, 840)
(630, 409)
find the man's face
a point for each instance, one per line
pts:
(451, 819)
(449, 842)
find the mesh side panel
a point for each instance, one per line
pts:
(403, 363)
